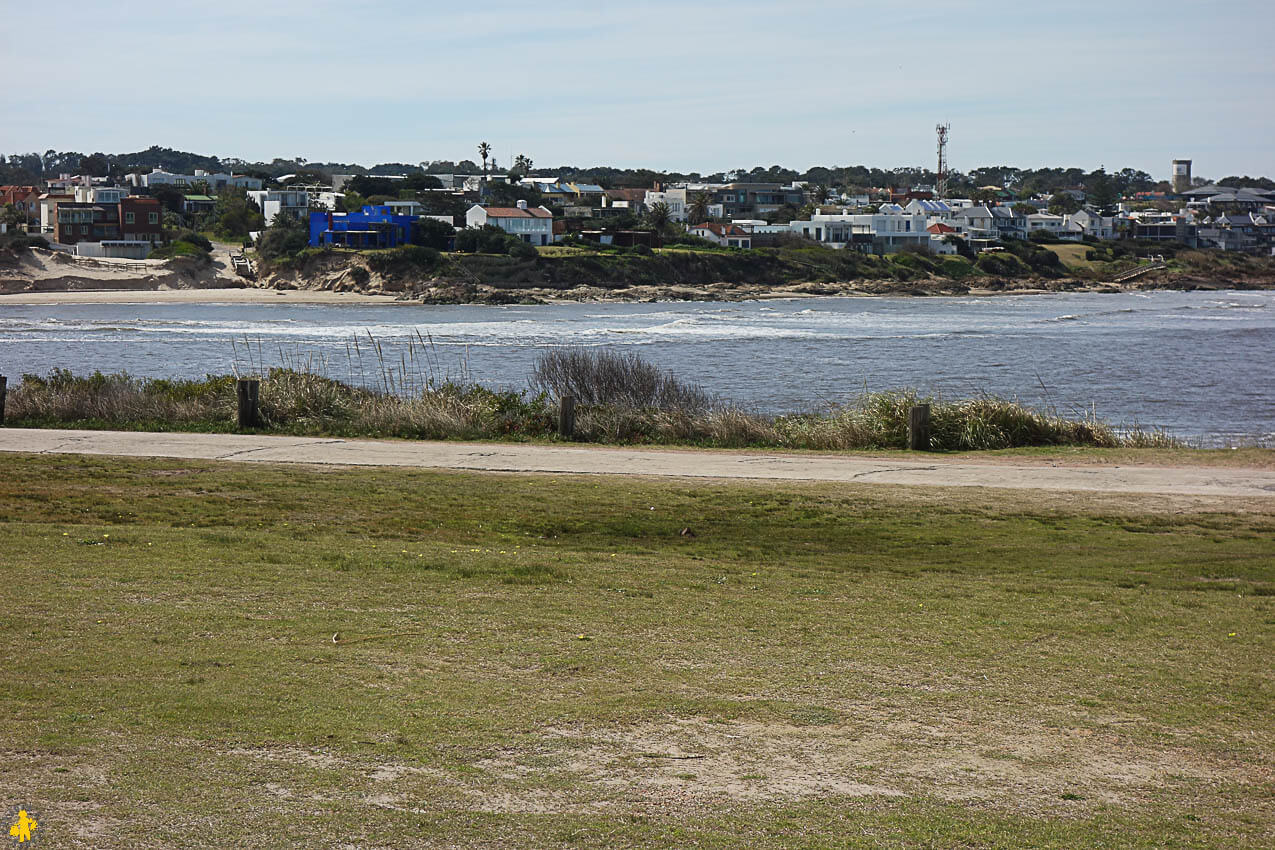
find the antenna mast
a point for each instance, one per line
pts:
(940, 183)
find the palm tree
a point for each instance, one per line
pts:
(658, 218)
(697, 212)
(484, 151)
(818, 193)
(522, 164)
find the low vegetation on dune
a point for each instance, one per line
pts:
(621, 399)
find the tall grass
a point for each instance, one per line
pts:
(621, 399)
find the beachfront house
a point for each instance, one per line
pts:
(534, 225)
(372, 227)
(273, 202)
(726, 235)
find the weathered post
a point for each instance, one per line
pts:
(248, 391)
(4, 383)
(919, 428)
(567, 417)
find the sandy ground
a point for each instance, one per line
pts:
(198, 296)
(918, 470)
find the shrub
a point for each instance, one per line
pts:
(181, 249)
(195, 239)
(956, 268)
(432, 233)
(23, 242)
(285, 237)
(487, 239)
(1001, 264)
(522, 250)
(604, 377)
(408, 259)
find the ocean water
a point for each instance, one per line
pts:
(1198, 364)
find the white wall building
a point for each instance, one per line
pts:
(272, 202)
(534, 226)
(216, 182)
(883, 232)
(674, 199)
(1092, 224)
(99, 194)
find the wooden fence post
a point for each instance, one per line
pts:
(567, 417)
(248, 391)
(919, 428)
(4, 383)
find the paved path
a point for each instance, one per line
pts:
(914, 470)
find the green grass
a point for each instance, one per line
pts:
(1073, 255)
(600, 662)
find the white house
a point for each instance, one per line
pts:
(727, 235)
(932, 210)
(1092, 224)
(534, 226)
(99, 194)
(674, 199)
(1054, 225)
(272, 202)
(975, 223)
(883, 232)
(216, 182)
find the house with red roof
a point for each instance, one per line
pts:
(727, 235)
(534, 226)
(25, 199)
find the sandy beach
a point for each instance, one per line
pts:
(197, 296)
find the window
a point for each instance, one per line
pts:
(130, 218)
(84, 230)
(152, 218)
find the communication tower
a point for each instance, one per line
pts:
(940, 180)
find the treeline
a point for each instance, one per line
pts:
(32, 167)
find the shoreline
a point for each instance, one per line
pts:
(228, 295)
(583, 295)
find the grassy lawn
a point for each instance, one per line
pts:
(200, 654)
(1073, 255)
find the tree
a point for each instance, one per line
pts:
(504, 194)
(1024, 209)
(433, 233)
(484, 151)
(353, 202)
(1102, 192)
(236, 216)
(985, 196)
(487, 239)
(658, 217)
(421, 182)
(522, 164)
(10, 216)
(1064, 203)
(818, 193)
(285, 236)
(96, 165)
(697, 212)
(170, 196)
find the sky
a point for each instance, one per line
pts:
(686, 86)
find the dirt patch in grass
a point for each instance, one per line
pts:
(1031, 770)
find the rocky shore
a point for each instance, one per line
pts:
(691, 279)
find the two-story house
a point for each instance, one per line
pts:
(534, 226)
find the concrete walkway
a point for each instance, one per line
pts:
(912, 470)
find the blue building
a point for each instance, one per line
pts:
(374, 227)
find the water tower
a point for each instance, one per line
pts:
(1181, 175)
